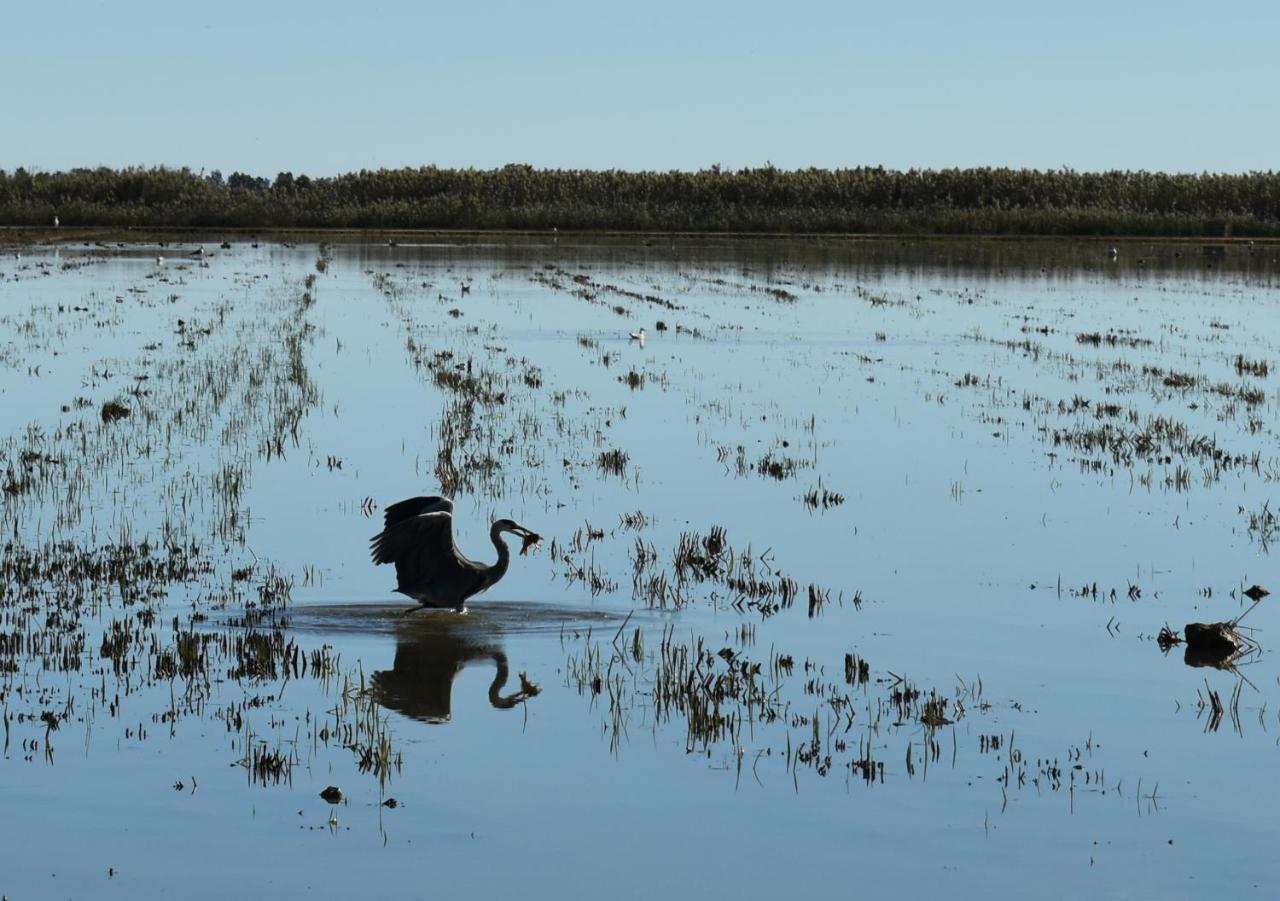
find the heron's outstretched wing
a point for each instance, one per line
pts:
(415, 506)
(427, 563)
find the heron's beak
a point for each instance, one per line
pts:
(530, 537)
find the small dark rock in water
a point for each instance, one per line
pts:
(1256, 592)
(1212, 638)
(391, 802)
(333, 794)
(113, 410)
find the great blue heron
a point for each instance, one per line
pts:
(417, 536)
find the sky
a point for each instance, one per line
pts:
(321, 88)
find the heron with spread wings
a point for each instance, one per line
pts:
(417, 536)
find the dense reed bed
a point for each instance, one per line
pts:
(985, 201)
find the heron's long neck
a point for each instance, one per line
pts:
(499, 569)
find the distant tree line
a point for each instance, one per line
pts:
(986, 201)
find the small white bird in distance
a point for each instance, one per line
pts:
(638, 336)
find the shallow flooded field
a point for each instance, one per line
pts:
(853, 575)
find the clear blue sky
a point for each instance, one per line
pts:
(324, 87)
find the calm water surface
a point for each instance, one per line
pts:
(939, 673)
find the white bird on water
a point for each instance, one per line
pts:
(56, 223)
(638, 336)
(1114, 253)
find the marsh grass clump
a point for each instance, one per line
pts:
(821, 498)
(701, 557)
(1251, 395)
(779, 468)
(458, 379)
(1157, 440)
(1264, 524)
(264, 764)
(613, 462)
(1245, 366)
(578, 563)
(856, 670)
(633, 520)
(16, 482)
(749, 579)
(818, 597)
(1179, 380)
(113, 410)
(258, 655)
(934, 712)
(1112, 338)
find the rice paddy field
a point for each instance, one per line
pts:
(866, 570)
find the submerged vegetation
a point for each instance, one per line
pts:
(982, 201)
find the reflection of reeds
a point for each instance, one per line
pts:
(822, 498)
(1112, 339)
(613, 462)
(720, 697)
(1246, 366)
(1263, 524)
(266, 765)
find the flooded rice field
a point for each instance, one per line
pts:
(864, 568)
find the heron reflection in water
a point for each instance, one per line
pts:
(429, 657)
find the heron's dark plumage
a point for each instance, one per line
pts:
(414, 506)
(418, 539)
